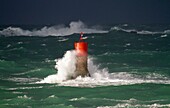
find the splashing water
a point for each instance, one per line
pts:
(99, 77)
(116, 28)
(66, 68)
(60, 30)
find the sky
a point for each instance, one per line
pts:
(38, 12)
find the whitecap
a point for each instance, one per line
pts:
(59, 30)
(84, 37)
(144, 32)
(23, 88)
(24, 97)
(9, 45)
(62, 40)
(77, 99)
(22, 80)
(163, 36)
(43, 45)
(127, 105)
(19, 42)
(26, 72)
(99, 77)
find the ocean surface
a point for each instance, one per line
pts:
(129, 66)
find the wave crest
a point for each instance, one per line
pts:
(99, 77)
(59, 30)
(139, 31)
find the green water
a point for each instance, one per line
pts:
(138, 63)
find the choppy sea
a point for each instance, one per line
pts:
(129, 66)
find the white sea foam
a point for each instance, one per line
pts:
(9, 45)
(127, 105)
(132, 102)
(116, 28)
(65, 39)
(164, 35)
(77, 99)
(84, 37)
(24, 97)
(19, 42)
(23, 88)
(60, 30)
(22, 80)
(23, 73)
(99, 77)
(65, 67)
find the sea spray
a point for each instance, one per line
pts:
(58, 30)
(99, 77)
(142, 68)
(66, 65)
(66, 68)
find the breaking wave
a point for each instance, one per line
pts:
(60, 30)
(99, 77)
(127, 105)
(139, 31)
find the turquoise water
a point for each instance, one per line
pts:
(130, 67)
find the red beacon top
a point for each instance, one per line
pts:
(81, 47)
